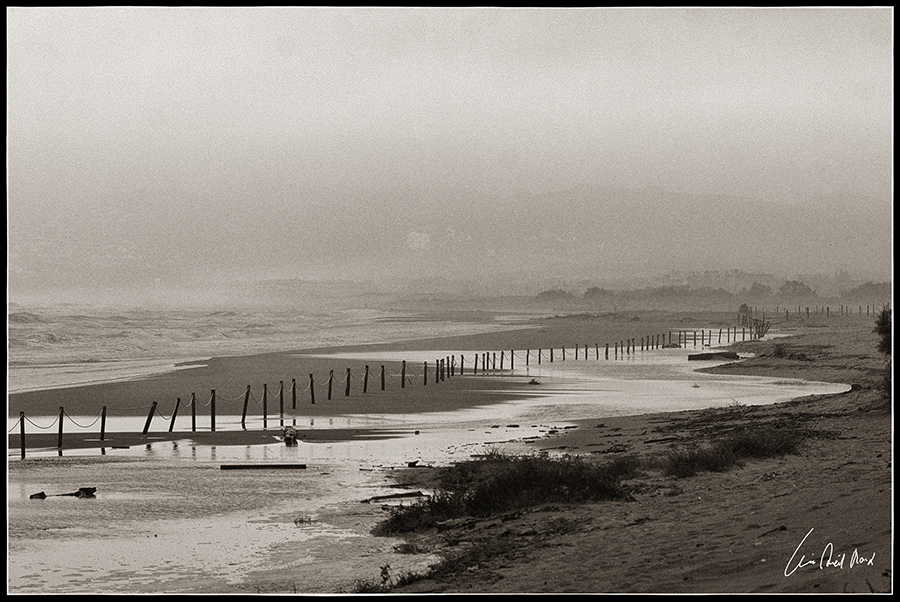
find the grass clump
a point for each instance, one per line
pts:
(499, 483)
(727, 452)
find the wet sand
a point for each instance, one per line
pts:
(230, 376)
(819, 521)
(730, 532)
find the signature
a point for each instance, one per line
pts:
(828, 559)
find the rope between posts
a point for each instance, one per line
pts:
(97, 419)
(42, 427)
(15, 424)
(161, 414)
(235, 398)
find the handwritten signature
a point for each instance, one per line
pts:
(828, 559)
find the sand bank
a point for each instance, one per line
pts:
(818, 521)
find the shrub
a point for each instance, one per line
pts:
(498, 483)
(883, 328)
(727, 452)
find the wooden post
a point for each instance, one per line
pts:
(452, 365)
(193, 413)
(212, 412)
(293, 393)
(475, 365)
(425, 375)
(527, 357)
(103, 423)
(606, 351)
(512, 354)
(330, 382)
(403, 375)
(382, 377)
(563, 353)
(244, 412)
(585, 352)
(265, 410)
(551, 355)
(501, 359)
(720, 336)
(312, 390)
(281, 403)
(615, 350)
(597, 349)
(494, 364)
(174, 413)
(539, 357)
(366, 380)
(22, 431)
(347, 386)
(462, 364)
(146, 424)
(576, 352)
(62, 412)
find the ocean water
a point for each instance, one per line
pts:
(166, 518)
(64, 345)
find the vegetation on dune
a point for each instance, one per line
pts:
(723, 454)
(498, 483)
(883, 328)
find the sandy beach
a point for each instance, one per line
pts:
(815, 522)
(756, 528)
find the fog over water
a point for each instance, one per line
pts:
(161, 151)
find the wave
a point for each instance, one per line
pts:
(23, 317)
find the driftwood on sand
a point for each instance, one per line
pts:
(83, 492)
(714, 355)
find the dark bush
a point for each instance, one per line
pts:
(729, 451)
(499, 483)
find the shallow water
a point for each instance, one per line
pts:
(167, 519)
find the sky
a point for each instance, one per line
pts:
(165, 146)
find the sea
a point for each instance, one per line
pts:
(167, 519)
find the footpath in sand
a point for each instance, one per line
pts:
(817, 521)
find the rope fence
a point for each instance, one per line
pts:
(432, 373)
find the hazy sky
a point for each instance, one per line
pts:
(180, 143)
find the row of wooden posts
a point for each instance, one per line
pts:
(443, 368)
(820, 309)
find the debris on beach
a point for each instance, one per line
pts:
(715, 355)
(290, 436)
(534, 381)
(83, 492)
(394, 496)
